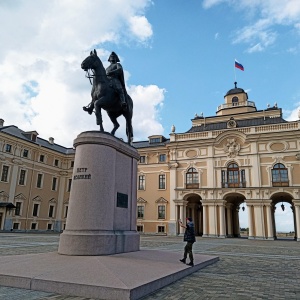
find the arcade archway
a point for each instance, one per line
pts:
(194, 210)
(234, 202)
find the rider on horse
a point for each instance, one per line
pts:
(115, 72)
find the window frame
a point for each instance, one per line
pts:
(5, 173)
(8, 148)
(192, 178)
(164, 210)
(162, 158)
(161, 181)
(18, 209)
(22, 176)
(54, 184)
(35, 209)
(142, 207)
(282, 173)
(39, 180)
(141, 182)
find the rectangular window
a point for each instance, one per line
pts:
(39, 180)
(143, 159)
(140, 228)
(162, 157)
(42, 158)
(140, 211)
(223, 174)
(161, 212)
(35, 210)
(72, 163)
(49, 227)
(243, 179)
(22, 177)
(162, 182)
(54, 182)
(141, 184)
(160, 229)
(4, 175)
(154, 140)
(16, 226)
(33, 226)
(8, 148)
(56, 161)
(18, 208)
(25, 153)
(66, 211)
(51, 211)
(69, 185)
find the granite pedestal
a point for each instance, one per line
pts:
(102, 206)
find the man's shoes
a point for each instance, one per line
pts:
(191, 264)
(182, 260)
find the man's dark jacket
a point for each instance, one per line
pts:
(189, 235)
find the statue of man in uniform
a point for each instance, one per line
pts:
(115, 72)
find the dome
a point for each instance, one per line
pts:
(236, 90)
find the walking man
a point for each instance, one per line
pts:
(189, 237)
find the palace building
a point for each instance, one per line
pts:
(241, 157)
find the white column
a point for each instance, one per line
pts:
(229, 220)
(259, 222)
(204, 216)
(182, 217)
(269, 222)
(250, 221)
(237, 222)
(297, 216)
(222, 221)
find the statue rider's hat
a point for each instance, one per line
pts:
(113, 54)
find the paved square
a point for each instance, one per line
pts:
(248, 269)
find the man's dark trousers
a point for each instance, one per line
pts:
(188, 249)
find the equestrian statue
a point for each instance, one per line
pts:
(108, 92)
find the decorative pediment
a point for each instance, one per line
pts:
(161, 200)
(37, 198)
(232, 147)
(4, 196)
(20, 197)
(141, 200)
(52, 200)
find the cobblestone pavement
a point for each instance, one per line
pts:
(248, 269)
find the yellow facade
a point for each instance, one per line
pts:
(239, 157)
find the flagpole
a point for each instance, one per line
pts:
(234, 71)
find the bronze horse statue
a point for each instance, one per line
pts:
(104, 96)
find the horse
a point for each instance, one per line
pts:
(104, 96)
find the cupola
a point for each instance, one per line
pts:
(236, 101)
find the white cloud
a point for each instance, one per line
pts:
(43, 87)
(264, 18)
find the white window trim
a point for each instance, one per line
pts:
(56, 185)
(54, 210)
(8, 173)
(21, 210)
(25, 179)
(162, 173)
(159, 225)
(38, 211)
(37, 225)
(138, 184)
(42, 181)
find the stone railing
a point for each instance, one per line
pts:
(236, 104)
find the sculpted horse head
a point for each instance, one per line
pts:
(104, 96)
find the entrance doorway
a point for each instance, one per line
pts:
(194, 210)
(234, 202)
(284, 220)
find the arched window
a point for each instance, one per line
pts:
(235, 101)
(280, 175)
(192, 179)
(233, 176)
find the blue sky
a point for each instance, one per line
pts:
(178, 58)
